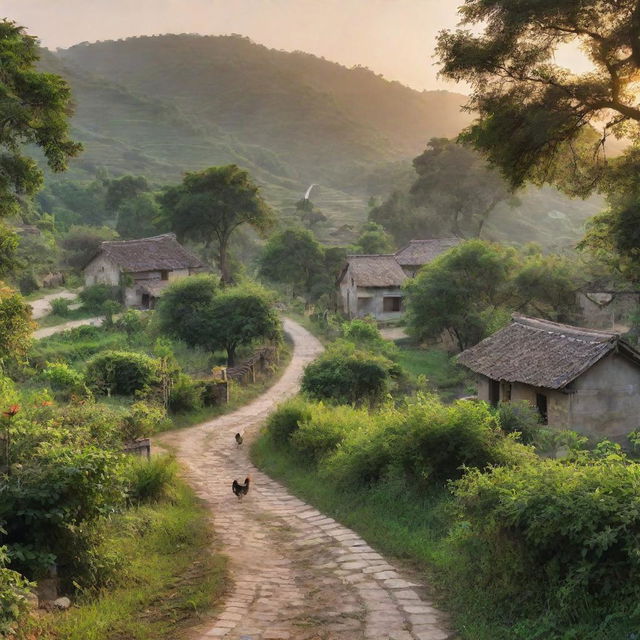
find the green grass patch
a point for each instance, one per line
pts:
(169, 578)
(443, 374)
(53, 320)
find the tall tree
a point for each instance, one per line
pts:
(138, 216)
(210, 205)
(34, 108)
(536, 119)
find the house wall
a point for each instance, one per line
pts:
(101, 271)
(603, 403)
(371, 299)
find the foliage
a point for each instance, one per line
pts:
(81, 243)
(239, 316)
(142, 421)
(347, 375)
(552, 536)
(461, 291)
(210, 205)
(121, 372)
(185, 308)
(287, 418)
(62, 377)
(364, 333)
(96, 296)
(137, 217)
(521, 418)
(35, 107)
(151, 480)
(122, 189)
(15, 325)
(470, 291)
(185, 395)
(60, 306)
(131, 322)
(13, 597)
(373, 239)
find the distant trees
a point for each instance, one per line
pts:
(80, 243)
(373, 239)
(35, 108)
(138, 216)
(294, 257)
(454, 193)
(471, 290)
(210, 205)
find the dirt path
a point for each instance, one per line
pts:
(42, 306)
(297, 574)
(49, 331)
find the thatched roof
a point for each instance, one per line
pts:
(420, 252)
(542, 353)
(159, 253)
(375, 271)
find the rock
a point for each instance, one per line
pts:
(62, 604)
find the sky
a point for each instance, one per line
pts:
(393, 37)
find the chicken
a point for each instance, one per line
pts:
(238, 439)
(241, 490)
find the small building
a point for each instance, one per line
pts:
(372, 285)
(587, 380)
(420, 252)
(143, 268)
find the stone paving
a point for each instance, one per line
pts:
(297, 574)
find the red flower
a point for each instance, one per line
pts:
(46, 403)
(13, 409)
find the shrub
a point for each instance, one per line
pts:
(552, 535)
(142, 421)
(131, 322)
(94, 297)
(60, 306)
(323, 432)
(108, 309)
(62, 377)
(519, 417)
(151, 480)
(121, 372)
(287, 418)
(28, 283)
(346, 375)
(14, 589)
(185, 395)
(365, 335)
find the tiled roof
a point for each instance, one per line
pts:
(420, 252)
(375, 271)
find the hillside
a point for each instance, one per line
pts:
(165, 104)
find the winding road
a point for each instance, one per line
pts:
(297, 574)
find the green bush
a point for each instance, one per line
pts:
(121, 372)
(14, 589)
(185, 395)
(60, 306)
(150, 480)
(519, 417)
(94, 297)
(142, 421)
(287, 418)
(62, 377)
(347, 375)
(131, 322)
(366, 335)
(552, 536)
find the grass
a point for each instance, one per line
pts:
(53, 320)
(169, 581)
(446, 377)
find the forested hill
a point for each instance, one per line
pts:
(158, 105)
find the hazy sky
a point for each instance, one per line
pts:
(392, 37)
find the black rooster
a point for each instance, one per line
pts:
(238, 439)
(241, 490)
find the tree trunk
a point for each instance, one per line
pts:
(223, 261)
(231, 355)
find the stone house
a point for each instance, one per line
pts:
(587, 380)
(371, 285)
(420, 252)
(143, 268)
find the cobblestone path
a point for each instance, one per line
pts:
(297, 574)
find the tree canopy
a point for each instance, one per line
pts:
(210, 205)
(536, 120)
(35, 107)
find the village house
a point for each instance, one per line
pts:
(371, 285)
(587, 380)
(143, 268)
(420, 252)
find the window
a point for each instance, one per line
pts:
(391, 303)
(541, 404)
(164, 275)
(505, 394)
